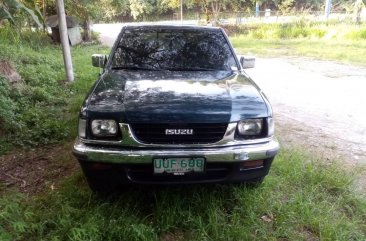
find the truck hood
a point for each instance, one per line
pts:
(176, 96)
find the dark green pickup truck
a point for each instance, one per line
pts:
(173, 105)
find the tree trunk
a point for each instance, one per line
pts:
(205, 7)
(44, 15)
(44, 9)
(215, 8)
(87, 31)
(357, 11)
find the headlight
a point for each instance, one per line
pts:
(104, 127)
(82, 128)
(250, 127)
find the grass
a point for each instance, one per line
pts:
(301, 199)
(41, 109)
(343, 42)
(350, 52)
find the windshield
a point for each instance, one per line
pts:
(173, 49)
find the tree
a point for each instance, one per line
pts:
(140, 7)
(212, 8)
(11, 9)
(240, 5)
(36, 6)
(359, 5)
(86, 10)
(112, 9)
(169, 4)
(285, 6)
(164, 6)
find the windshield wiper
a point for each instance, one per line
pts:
(192, 69)
(134, 68)
(170, 69)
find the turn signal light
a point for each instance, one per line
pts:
(251, 164)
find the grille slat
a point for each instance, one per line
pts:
(158, 134)
(203, 133)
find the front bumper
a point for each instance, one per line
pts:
(125, 155)
(134, 165)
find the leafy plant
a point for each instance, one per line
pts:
(10, 8)
(7, 106)
(41, 109)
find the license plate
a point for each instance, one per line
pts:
(178, 165)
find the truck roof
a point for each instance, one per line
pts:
(168, 26)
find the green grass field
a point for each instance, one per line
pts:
(341, 42)
(41, 109)
(350, 52)
(303, 198)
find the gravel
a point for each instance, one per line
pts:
(321, 105)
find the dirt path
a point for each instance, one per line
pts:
(318, 105)
(36, 170)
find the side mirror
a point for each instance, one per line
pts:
(99, 60)
(247, 62)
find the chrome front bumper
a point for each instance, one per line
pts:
(128, 155)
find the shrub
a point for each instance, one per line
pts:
(297, 30)
(7, 107)
(36, 40)
(236, 29)
(31, 116)
(41, 109)
(357, 34)
(35, 111)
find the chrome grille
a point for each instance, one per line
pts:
(203, 133)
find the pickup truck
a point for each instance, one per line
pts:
(173, 105)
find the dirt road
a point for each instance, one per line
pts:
(319, 105)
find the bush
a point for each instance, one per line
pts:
(298, 30)
(7, 107)
(31, 116)
(36, 40)
(41, 109)
(357, 34)
(33, 112)
(236, 29)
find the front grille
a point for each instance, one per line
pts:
(203, 133)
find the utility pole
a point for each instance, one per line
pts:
(328, 7)
(64, 40)
(181, 11)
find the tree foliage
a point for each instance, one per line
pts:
(111, 10)
(12, 10)
(140, 7)
(116, 10)
(85, 10)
